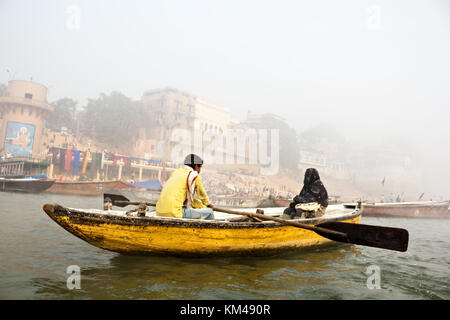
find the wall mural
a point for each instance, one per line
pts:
(19, 139)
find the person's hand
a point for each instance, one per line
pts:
(210, 206)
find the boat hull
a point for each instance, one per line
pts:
(86, 188)
(25, 185)
(412, 209)
(282, 202)
(186, 237)
(278, 202)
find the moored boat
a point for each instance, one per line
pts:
(140, 194)
(86, 188)
(279, 202)
(283, 202)
(424, 209)
(241, 201)
(27, 185)
(142, 191)
(227, 235)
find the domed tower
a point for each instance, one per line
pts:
(22, 114)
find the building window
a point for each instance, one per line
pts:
(28, 95)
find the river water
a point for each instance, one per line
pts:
(35, 254)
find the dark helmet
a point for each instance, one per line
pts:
(192, 159)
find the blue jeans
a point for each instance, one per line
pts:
(204, 213)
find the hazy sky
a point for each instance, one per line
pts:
(372, 68)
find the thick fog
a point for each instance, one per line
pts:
(377, 72)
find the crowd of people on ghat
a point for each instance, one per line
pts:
(237, 184)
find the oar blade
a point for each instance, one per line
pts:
(116, 197)
(371, 236)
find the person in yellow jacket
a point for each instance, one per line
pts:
(183, 195)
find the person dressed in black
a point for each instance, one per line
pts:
(312, 200)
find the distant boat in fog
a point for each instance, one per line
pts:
(422, 209)
(86, 188)
(27, 185)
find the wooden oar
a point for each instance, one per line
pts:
(361, 234)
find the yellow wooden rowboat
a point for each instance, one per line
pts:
(151, 235)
